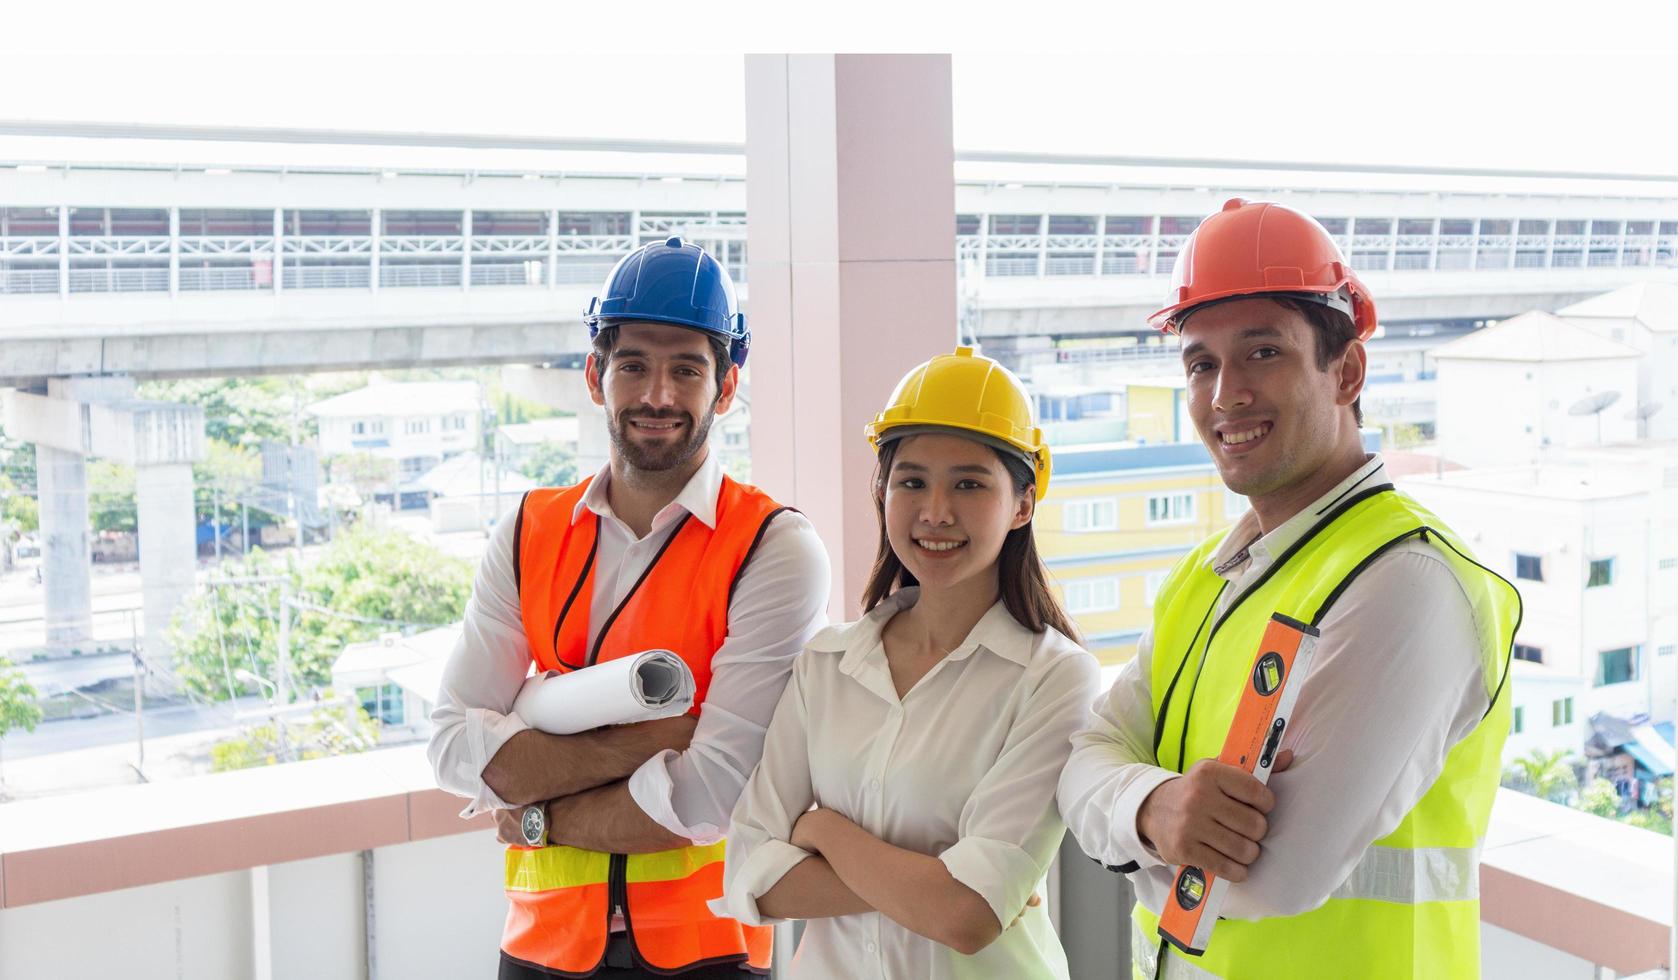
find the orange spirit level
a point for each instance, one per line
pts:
(1284, 655)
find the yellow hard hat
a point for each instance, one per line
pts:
(970, 393)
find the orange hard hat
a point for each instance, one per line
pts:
(1257, 248)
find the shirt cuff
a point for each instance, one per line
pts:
(765, 865)
(1003, 874)
(1127, 837)
(486, 732)
(653, 791)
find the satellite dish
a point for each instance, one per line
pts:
(1593, 404)
(1644, 410)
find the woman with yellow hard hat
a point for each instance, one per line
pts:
(905, 801)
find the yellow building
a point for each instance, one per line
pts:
(1118, 517)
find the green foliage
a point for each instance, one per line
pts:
(19, 703)
(369, 474)
(378, 575)
(1601, 798)
(18, 508)
(244, 411)
(1408, 436)
(110, 496)
(1547, 775)
(551, 465)
(339, 729)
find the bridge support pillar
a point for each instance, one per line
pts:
(168, 554)
(66, 557)
(100, 416)
(565, 389)
(850, 185)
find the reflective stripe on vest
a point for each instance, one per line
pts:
(561, 899)
(1410, 905)
(546, 868)
(1415, 874)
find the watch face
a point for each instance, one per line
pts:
(531, 824)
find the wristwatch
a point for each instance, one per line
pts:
(533, 824)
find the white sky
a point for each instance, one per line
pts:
(1421, 82)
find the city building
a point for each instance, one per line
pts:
(1590, 538)
(416, 423)
(1643, 315)
(1531, 382)
(395, 679)
(1118, 518)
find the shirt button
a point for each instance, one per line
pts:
(871, 946)
(874, 786)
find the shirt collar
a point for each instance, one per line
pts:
(1244, 540)
(698, 497)
(996, 631)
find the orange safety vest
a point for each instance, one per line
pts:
(561, 899)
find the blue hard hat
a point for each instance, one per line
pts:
(672, 282)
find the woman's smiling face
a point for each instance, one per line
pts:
(949, 503)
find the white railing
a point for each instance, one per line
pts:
(327, 277)
(213, 277)
(442, 260)
(28, 280)
(119, 280)
(419, 275)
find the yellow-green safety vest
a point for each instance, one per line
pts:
(1411, 907)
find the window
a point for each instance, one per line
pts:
(1667, 650)
(456, 422)
(1617, 666)
(383, 703)
(1092, 595)
(1531, 654)
(377, 427)
(1602, 573)
(358, 428)
(1561, 712)
(1519, 721)
(1171, 508)
(1235, 505)
(417, 427)
(1092, 515)
(1529, 567)
(1152, 584)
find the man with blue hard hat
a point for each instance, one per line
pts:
(617, 833)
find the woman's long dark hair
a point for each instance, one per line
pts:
(1021, 577)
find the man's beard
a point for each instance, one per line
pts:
(658, 458)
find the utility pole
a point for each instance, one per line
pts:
(139, 700)
(282, 665)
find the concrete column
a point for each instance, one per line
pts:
(850, 192)
(66, 557)
(168, 551)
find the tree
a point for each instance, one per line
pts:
(18, 507)
(1547, 775)
(110, 496)
(1601, 798)
(551, 465)
(366, 582)
(1658, 817)
(19, 704)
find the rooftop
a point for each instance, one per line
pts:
(1534, 337)
(390, 399)
(1653, 304)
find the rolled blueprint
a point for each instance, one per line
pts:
(648, 685)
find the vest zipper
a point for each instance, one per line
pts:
(617, 891)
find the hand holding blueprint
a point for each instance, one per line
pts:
(649, 685)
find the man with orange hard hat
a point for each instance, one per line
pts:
(1369, 864)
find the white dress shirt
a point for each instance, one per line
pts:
(1396, 683)
(963, 768)
(780, 603)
